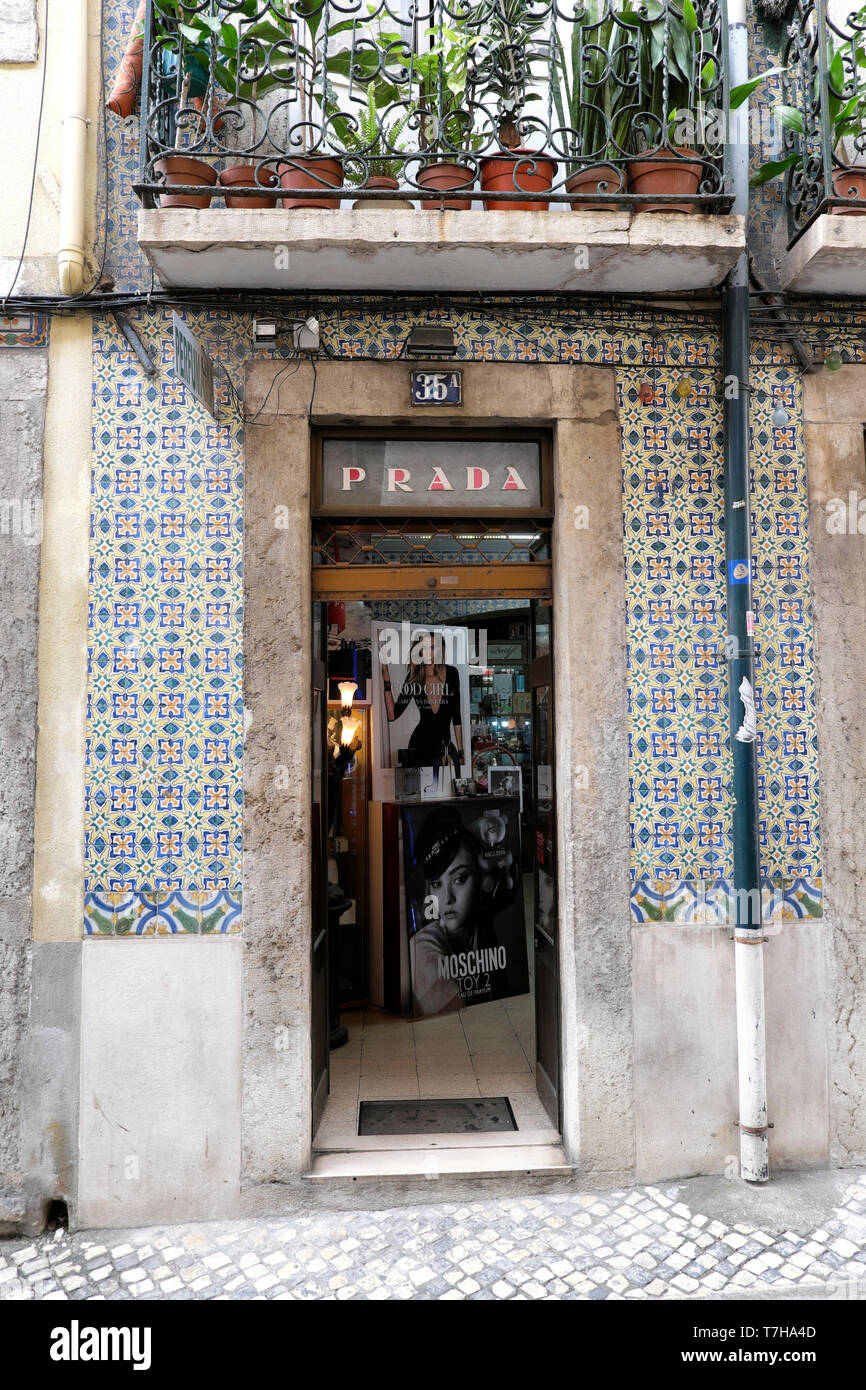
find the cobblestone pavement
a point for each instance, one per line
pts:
(634, 1243)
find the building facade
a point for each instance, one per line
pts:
(185, 587)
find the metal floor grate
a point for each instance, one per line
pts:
(469, 1116)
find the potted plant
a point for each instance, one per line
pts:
(265, 56)
(847, 113)
(590, 92)
(672, 79)
(249, 176)
(513, 40)
(127, 80)
(181, 54)
(373, 138)
(442, 108)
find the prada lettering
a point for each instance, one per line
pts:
(418, 476)
(403, 480)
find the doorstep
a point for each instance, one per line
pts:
(438, 1160)
(359, 1143)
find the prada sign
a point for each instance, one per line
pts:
(415, 475)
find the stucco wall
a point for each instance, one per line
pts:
(19, 37)
(835, 414)
(23, 377)
(685, 1043)
(21, 69)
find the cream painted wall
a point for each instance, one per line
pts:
(20, 85)
(58, 887)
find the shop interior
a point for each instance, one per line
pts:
(405, 766)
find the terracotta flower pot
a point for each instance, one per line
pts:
(588, 181)
(311, 171)
(124, 88)
(443, 175)
(662, 172)
(850, 183)
(245, 174)
(393, 204)
(520, 171)
(180, 169)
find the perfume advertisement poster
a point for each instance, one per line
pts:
(420, 704)
(464, 904)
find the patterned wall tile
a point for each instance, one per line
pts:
(164, 797)
(165, 688)
(24, 331)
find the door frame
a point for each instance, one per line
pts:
(354, 586)
(578, 404)
(543, 674)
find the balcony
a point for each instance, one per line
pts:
(497, 145)
(822, 160)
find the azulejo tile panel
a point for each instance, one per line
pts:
(679, 745)
(24, 331)
(164, 747)
(118, 207)
(164, 810)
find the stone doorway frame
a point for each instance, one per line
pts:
(578, 405)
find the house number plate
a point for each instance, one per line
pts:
(436, 388)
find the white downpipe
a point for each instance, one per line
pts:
(70, 253)
(751, 1056)
(748, 944)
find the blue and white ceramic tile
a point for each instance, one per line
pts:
(164, 817)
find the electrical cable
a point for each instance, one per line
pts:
(280, 377)
(35, 162)
(313, 392)
(561, 310)
(238, 402)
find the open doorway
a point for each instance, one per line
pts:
(439, 1023)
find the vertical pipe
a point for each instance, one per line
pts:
(70, 251)
(748, 933)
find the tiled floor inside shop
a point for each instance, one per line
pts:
(487, 1050)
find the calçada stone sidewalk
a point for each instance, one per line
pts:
(799, 1237)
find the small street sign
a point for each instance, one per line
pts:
(192, 364)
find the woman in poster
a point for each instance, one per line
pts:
(470, 877)
(435, 690)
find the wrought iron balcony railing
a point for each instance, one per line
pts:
(822, 115)
(534, 101)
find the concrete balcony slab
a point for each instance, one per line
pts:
(378, 250)
(829, 258)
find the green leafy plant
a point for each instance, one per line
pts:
(443, 97)
(847, 113)
(371, 136)
(514, 40)
(180, 47)
(673, 75)
(253, 52)
(592, 92)
(249, 59)
(435, 80)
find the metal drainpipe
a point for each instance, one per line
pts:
(70, 253)
(748, 933)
